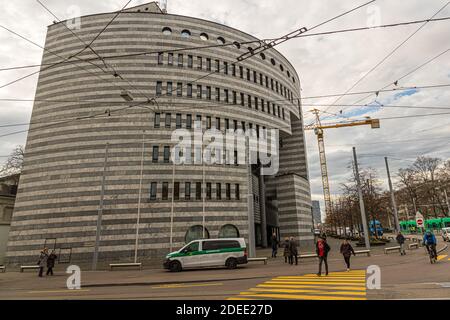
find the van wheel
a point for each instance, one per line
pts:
(175, 266)
(231, 263)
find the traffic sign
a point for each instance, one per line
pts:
(419, 220)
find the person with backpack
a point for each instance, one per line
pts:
(429, 240)
(286, 252)
(274, 245)
(401, 241)
(293, 252)
(347, 251)
(322, 249)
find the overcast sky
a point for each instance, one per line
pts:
(326, 65)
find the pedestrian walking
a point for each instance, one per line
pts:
(274, 245)
(322, 249)
(286, 252)
(51, 262)
(347, 251)
(401, 241)
(293, 251)
(42, 262)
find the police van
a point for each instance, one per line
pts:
(208, 253)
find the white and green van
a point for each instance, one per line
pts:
(208, 253)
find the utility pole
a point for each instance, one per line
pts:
(251, 217)
(139, 200)
(448, 203)
(394, 205)
(100, 212)
(361, 202)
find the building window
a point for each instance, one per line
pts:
(199, 91)
(157, 120)
(220, 40)
(178, 121)
(255, 77)
(160, 58)
(208, 93)
(165, 191)
(249, 101)
(234, 97)
(189, 121)
(180, 60)
(235, 158)
(273, 109)
(237, 192)
(170, 60)
(228, 231)
(190, 61)
(282, 111)
(227, 99)
(208, 64)
(242, 99)
(189, 90)
(153, 187)
(248, 74)
(267, 81)
(241, 72)
(235, 124)
(208, 122)
(227, 124)
(166, 154)
(179, 89)
(279, 111)
(217, 94)
(168, 122)
(199, 63)
(217, 66)
(204, 37)
(233, 70)
(198, 191)
(218, 123)
(225, 67)
(263, 108)
(169, 88)
(243, 125)
(199, 121)
(187, 191)
(155, 154)
(228, 191)
(167, 31)
(159, 88)
(271, 84)
(196, 233)
(261, 82)
(176, 191)
(218, 191)
(256, 103)
(208, 191)
(185, 33)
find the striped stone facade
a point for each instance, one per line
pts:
(78, 110)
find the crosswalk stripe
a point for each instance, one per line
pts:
(439, 258)
(349, 293)
(362, 288)
(335, 286)
(302, 297)
(315, 282)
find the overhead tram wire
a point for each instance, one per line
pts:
(237, 60)
(389, 54)
(107, 65)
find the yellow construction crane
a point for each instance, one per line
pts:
(318, 130)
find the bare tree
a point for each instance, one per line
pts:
(13, 164)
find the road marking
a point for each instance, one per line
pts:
(335, 286)
(439, 258)
(58, 291)
(181, 285)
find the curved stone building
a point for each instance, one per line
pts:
(80, 108)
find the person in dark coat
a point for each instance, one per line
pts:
(347, 251)
(286, 252)
(322, 249)
(401, 241)
(274, 245)
(51, 262)
(42, 262)
(293, 251)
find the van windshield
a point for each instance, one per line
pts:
(193, 247)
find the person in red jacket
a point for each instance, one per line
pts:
(322, 249)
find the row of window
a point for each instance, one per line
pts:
(228, 69)
(221, 41)
(223, 95)
(197, 194)
(228, 124)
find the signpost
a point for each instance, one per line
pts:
(419, 220)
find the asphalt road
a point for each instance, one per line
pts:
(402, 277)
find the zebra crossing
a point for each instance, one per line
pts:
(336, 286)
